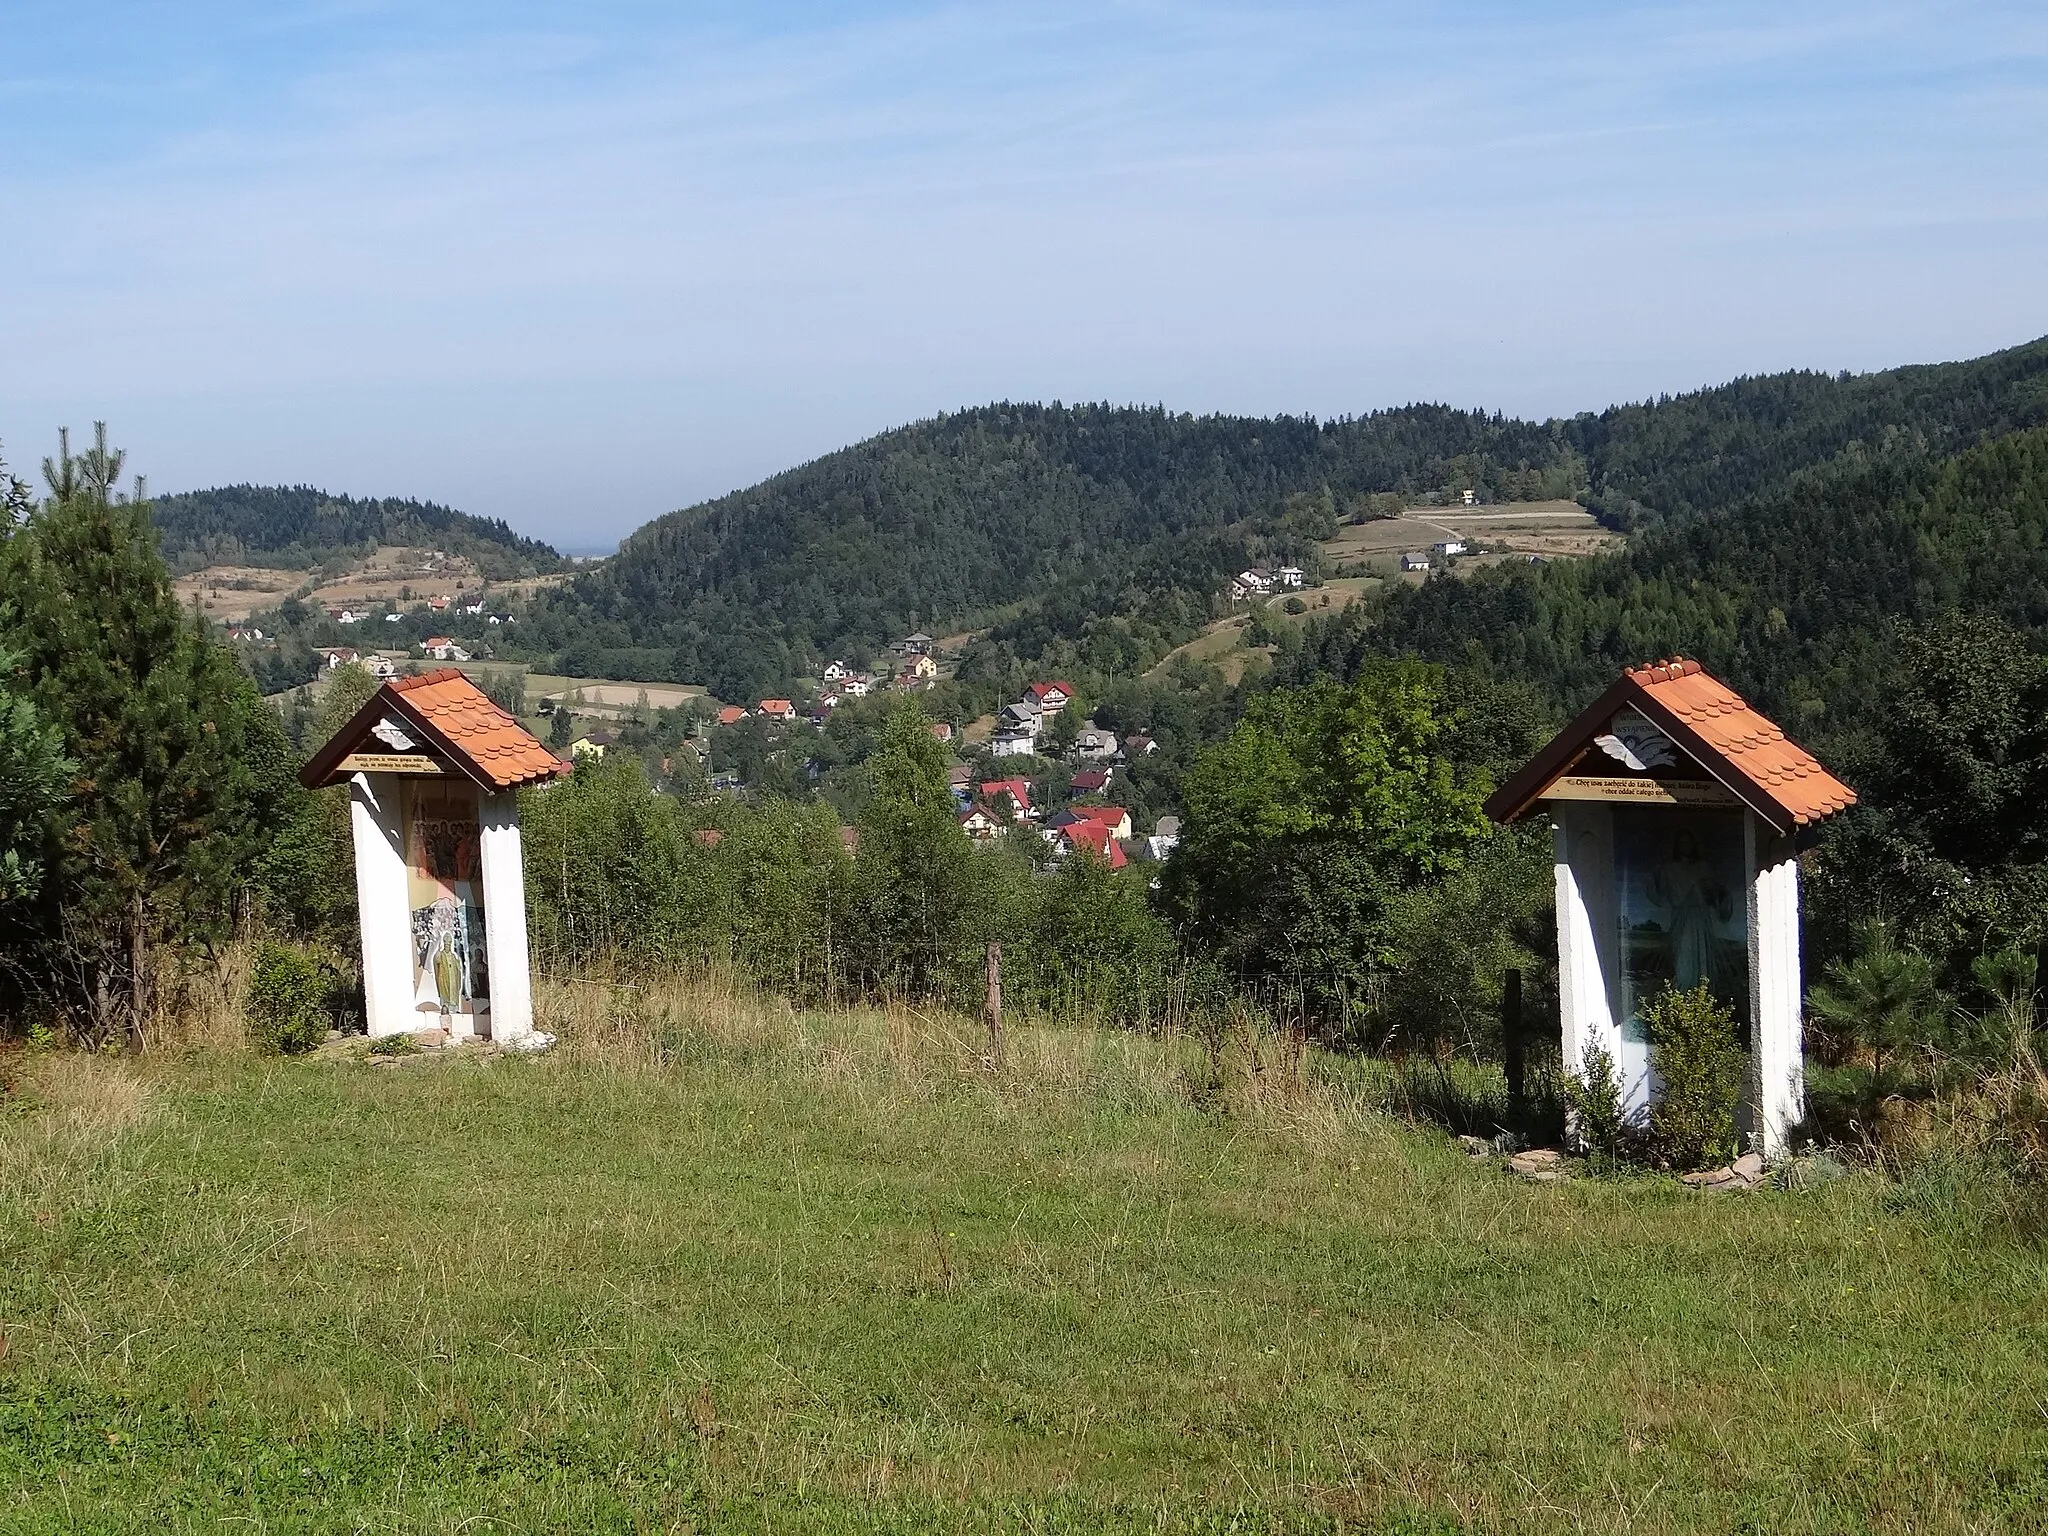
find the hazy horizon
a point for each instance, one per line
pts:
(577, 268)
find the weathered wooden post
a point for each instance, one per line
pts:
(1675, 811)
(992, 1006)
(1514, 1058)
(433, 769)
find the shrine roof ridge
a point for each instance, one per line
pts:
(457, 719)
(1748, 753)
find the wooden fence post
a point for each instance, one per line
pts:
(1513, 1056)
(992, 1009)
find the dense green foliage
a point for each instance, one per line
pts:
(621, 875)
(1699, 1071)
(1314, 817)
(287, 998)
(1111, 528)
(180, 771)
(1789, 597)
(296, 527)
(34, 775)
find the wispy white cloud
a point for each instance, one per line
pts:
(364, 243)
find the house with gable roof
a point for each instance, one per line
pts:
(1051, 697)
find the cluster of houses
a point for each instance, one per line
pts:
(385, 663)
(1000, 807)
(379, 664)
(1259, 581)
(469, 605)
(1440, 551)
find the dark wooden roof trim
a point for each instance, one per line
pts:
(1514, 799)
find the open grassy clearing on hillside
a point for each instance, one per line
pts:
(1552, 529)
(714, 1265)
(394, 574)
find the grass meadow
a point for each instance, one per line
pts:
(715, 1265)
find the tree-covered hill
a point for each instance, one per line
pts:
(1023, 506)
(298, 527)
(1797, 598)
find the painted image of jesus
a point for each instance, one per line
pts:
(1683, 913)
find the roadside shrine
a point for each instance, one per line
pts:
(433, 769)
(1677, 813)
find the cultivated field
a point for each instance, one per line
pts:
(715, 1266)
(1552, 529)
(228, 594)
(393, 575)
(609, 697)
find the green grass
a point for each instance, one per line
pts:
(711, 1266)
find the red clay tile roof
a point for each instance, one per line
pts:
(1101, 815)
(497, 746)
(1745, 740)
(1712, 723)
(1018, 790)
(460, 726)
(732, 714)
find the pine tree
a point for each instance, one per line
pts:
(912, 872)
(180, 768)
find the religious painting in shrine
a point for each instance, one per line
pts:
(1682, 899)
(444, 881)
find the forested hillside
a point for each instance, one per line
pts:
(297, 527)
(1794, 598)
(1068, 515)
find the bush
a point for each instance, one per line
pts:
(1592, 1097)
(287, 999)
(1692, 1119)
(1295, 605)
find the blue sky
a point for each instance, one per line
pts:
(577, 265)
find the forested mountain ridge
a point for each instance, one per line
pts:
(298, 527)
(1013, 504)
(1713, 448)
(1797, 599)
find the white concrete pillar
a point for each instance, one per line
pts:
(1588, 945)
(504, 875)
(1778, 1067)
(377, 819)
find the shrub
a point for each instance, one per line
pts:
(1885, 1000)
(1592, 1097)
(287, 999)
(1692, 1120)
(1295, 605)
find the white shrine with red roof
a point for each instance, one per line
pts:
(1676, 812)
(433, 769)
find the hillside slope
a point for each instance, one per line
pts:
(1794, 598)
(297, 527)
(1009, 505)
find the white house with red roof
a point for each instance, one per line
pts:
(1017, 791)
(1092, 838)
(1050, 698)
(981, 824)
